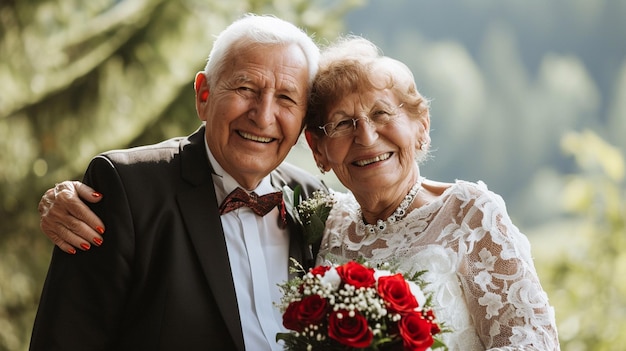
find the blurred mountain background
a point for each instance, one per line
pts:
(529, 97)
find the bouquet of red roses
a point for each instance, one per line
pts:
(355, 306)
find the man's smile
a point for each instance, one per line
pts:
(256, 138)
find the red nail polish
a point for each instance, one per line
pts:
(96, 194)
(71, 251)
(85, 246)
(100, 230)
(97, 241)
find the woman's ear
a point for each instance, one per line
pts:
(315, 143)
(425, 121)
(425, 132)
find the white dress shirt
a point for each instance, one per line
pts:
(258, 250)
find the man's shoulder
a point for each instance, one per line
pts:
(289, 169)
(165, 150)
(160, 151)
(292, 176)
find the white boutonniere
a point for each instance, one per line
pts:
(310, 213)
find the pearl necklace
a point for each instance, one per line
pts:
(397, 215)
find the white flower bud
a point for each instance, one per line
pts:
(381, 273)
(331, 279)
(417, 292)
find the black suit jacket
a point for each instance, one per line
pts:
(162, 279)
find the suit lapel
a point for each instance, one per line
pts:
(298, 248)
(198, 206)
(199, 209)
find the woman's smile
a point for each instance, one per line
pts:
(369, 161)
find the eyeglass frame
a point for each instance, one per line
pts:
(333, 134)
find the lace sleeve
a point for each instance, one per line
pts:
(502, 290)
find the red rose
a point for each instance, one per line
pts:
(397, 293)
(356, 275)
(321, 270)
(299, 314)
(430, 316)
(415, 332)
(290, 317)
(349, 331)
(311, 310)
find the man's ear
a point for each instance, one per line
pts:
(315, 143)
(201, 87)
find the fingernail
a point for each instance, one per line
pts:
(100, 230)
(71, 251)
(96, 194)
(85, 246)
(97, 241)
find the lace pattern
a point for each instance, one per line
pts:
(480, 270)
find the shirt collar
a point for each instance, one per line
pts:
(224, 183)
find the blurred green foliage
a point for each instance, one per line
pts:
(582, 268)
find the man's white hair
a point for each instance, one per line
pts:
(259, 29)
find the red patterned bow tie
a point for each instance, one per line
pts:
(261, 205)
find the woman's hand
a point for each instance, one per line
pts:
(65, 218)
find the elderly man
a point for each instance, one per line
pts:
(182, 266)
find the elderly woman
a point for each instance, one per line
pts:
(369, 124)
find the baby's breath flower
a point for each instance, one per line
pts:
(313, 212)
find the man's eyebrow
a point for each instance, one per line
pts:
(290, 86)
(240, 78)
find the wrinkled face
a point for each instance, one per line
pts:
(373, 157)
(255, 112)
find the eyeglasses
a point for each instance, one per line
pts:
(378, 117)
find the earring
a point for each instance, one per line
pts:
(321, 168)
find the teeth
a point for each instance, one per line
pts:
(255, 138)
(382, 157)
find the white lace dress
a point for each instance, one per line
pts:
(480, 271)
